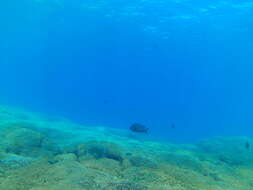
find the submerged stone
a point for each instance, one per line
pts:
(28, 142)
(12, 161)
(99, 149)
(228, 150)
(70, 157)
(138, 161)
(124, 186)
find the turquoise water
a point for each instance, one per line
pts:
(75, 75)
(113, 63)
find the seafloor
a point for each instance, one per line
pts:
(49, 153)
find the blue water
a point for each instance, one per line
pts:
(115, 62)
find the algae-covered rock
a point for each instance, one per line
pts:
(141, 175)
(138, 161)
(183, 160)
(13, 161)
(99, 150)
(229, 150)
(106, 165)
(62, 175)
(23, 140)
(69, 157)
(124, 186)
(27, 142)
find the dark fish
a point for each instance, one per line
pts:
(155, 46)
(247, 145)
(173, 126)
(138, 128)
(105, 101)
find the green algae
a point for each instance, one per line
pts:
(37, 153)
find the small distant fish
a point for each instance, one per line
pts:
(139, 128)
(155, 46)
(247, 145)
(106, 101)
(173, 126)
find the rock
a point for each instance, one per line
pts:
(106, 165)
(27, 142)
(65, 157)
(99, 150)
(124, 186)
(228, 150)
(12, 161)
(183, 160)
(139, 161)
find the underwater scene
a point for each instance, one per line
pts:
(126, 95)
